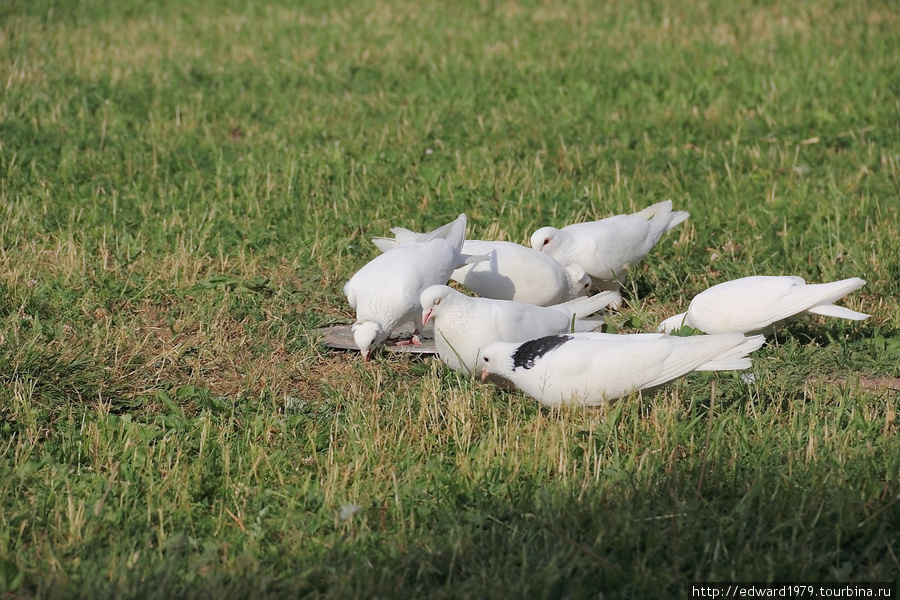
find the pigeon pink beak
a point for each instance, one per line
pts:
(484, 373)
(367, 356)
(426, 315)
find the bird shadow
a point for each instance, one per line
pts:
(636, 288)
(813, 331)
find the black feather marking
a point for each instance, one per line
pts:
(527, 353)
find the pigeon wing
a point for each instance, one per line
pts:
(744, 305)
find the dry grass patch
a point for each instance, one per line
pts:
(884, 384)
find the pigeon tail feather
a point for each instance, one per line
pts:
(735, 358)
(454, 232)
(662, 218)
(836, 290)
(385, 243)
(587, 305)
(403, 235)
(654, 209)
(677, 218)
(830, 310)
(823, 294)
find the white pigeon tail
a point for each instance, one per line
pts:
(760, 303)
(607, 248)
(592, 368)
(385, 291)
(464, 326)
(404, 236)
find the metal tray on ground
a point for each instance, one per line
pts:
(340, 337)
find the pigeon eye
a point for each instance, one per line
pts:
(486, 359)
(437, 301)
(546, 241)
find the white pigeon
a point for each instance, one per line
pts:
(464, 326)
(385, 291)
(758, 304)
(508, 271)
(593, 368)
(520, 273)
(607, 248)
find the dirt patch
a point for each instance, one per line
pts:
(872, 384)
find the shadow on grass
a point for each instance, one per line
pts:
(502, 536)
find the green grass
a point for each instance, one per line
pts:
(185, 187)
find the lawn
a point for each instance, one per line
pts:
(186, 186)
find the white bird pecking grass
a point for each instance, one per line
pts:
(760, 303)
(464, 326)
(385, 291)
(593, 368)
(607, 248)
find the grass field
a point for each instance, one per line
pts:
(185, 187)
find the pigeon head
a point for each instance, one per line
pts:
(496, 359)
(579, 281)
(543, 237)
(431, 299)
(367, 335)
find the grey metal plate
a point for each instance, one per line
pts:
(341, 338)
